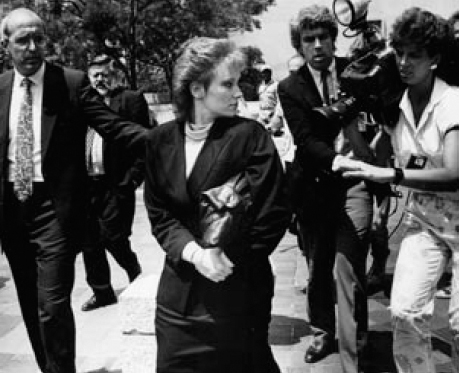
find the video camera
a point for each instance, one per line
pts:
(371, 82)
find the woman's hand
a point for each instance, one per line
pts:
(213, 264)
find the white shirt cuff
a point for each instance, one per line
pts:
(190, 249)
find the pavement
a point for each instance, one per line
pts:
(99, 336)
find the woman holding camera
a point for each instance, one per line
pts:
(425, 140)
(213, 303)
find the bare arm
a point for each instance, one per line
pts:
(445, 178)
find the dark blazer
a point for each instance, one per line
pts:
(121, 166)
(233, 145)
(299, 95)
(69, 106)
(314, 138)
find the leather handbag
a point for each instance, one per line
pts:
(223, 211)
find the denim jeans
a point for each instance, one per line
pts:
(423, 255)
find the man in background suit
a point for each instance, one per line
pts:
(334, 216)
(44, 113)
(114, 176)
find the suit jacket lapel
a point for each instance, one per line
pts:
(53, 97)
(115, 103)
(309, 89)
(208, 156)
(6, 86)
(173, 161)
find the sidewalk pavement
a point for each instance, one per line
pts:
(99, 336)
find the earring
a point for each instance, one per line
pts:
(433, 67)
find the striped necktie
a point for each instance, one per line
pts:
(23, 177)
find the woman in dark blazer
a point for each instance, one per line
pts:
(214, 303)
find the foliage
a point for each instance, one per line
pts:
(143, 36)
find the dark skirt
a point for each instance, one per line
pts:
(201, 343)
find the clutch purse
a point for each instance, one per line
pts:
(222, 211)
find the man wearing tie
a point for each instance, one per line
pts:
(334, 215)
(114, 175)
(44, 113)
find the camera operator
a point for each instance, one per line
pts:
(425, 140)
(334, 215)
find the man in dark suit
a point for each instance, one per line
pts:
(44, 115)
(333, 215)
(114, 175)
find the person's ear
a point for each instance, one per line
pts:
(435, 62)
(197, 90)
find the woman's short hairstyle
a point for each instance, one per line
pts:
(422, 29)
(198, 58)
(312, 17)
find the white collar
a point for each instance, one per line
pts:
(37, 78)
(439, 89)
(316, 73)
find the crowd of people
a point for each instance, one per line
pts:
(76, 145)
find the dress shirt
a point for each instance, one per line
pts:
(426, 138)
(333, 85)
(436, 212)
(333, 89)
(97, 156)
(17, 97)
(97, 152)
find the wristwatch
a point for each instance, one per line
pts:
(399, 176)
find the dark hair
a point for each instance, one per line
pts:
(197, 61)
(422, 29)
(100, 60)
(312, 17)
(454, 17)
(428, 31)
